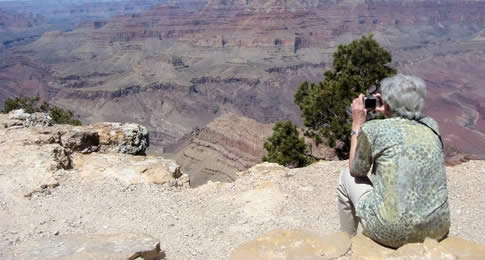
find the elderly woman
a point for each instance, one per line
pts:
(396, 181)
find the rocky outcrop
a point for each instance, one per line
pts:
(22, 119)
(108, 137)
(45, 153)
(129, 246)
(123, 138)
(300, 244)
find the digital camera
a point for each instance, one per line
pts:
(370, 102)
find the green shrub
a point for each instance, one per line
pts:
(25, 103)
(285, 147)
(61, 116)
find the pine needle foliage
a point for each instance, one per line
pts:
(356, 67)
(286, 147)
(25, 103)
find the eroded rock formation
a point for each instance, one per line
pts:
(177, 66)
(227, 145)
(45, 152)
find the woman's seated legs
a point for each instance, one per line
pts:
(350, 190)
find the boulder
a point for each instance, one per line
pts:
(123, 138)
(80, 140)
(124, 246)
(22, 119)
(293, 245)
(62, 157)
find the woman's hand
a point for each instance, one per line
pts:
(359, 113)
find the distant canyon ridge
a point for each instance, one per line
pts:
(177, 66)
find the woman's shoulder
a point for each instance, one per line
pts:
(430, 122)
(395, 126)
(379, 124)
(395, 122)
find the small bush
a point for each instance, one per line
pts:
(286, 147)
(61, 116)
(25, 103)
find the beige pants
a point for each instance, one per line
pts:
(350, 190)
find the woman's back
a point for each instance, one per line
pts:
(409, 197)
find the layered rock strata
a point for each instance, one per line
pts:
(175, 68)
(227, 145)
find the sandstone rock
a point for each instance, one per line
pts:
(63, 158)
(464, 249)
(123, 138)
(126, 246)
(293, 245)
(265, 169)
(429, 249)
(130, 169)
(20, 118)
(364, 248)
(80, 140)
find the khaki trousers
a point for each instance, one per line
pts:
(350, 190)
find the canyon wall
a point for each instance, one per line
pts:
(180, 65)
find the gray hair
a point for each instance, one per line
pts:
(404, 95)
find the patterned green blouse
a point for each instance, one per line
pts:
(409, 200)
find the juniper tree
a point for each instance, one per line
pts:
(356, 67)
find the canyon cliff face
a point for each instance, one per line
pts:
(180, 65)
(227, 145)
(22, 22)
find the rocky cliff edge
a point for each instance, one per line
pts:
(69, 193)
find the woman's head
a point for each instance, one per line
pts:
(404, 95)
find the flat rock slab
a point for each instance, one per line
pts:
(364, 248)
(293, 245)
(126, 246)
(129, 169)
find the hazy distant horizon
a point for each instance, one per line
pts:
(63, 1)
